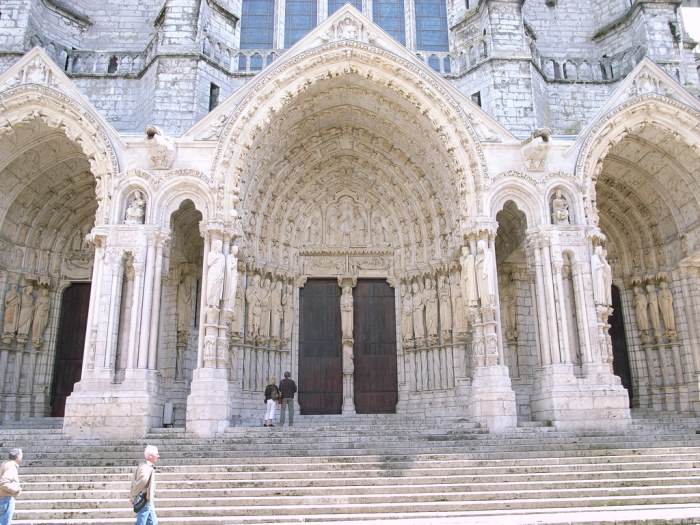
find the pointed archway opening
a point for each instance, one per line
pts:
(177, 362)
(516, 302)
(354, 174)
(649, 211)
(48, 206)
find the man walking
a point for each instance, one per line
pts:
(9, 485)
(287, 389)
(145, 481)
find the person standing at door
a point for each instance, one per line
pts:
(272, 394)
(287, 390)
(9, 485)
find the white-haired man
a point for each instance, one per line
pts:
(9, 485)
(145, 481)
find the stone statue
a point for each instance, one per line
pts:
(485, 273)
(265, 292)
(41, 317)
(346, 312)
(239, 314)
(468, 279)
(653, 300)
(602, 275)
(26, 313)
(184, 300)
(358, 236)
(12, 306)
(136, 212)
(560, 208)
(431, 308)
(216, 266)
(231, 279)
(510, 311)
(640, 306)
(348, 358)
(418, 308)
(276, 309)
(406, 314)
(445, 307)
(252, 298)
(288, 311)
(666, 307)
(313, 233)
(459, 314)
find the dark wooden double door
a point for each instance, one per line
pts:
(320, 348)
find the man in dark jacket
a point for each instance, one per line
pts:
(287, 389)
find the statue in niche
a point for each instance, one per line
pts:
(406, 314)
(41, 317)
(666, 307)
(136, 212)
(185, 297)
(640, 307)
(602, 277)
(238, 316)
(560, 208)
(346, 312)
(431, 308)
(485, 274)
(469, 291)
(288, 311)
(653, 300)
(216, 267)
(252, 298)
(445, 307)
(265, 308)
(510, 311)
(26, 313)
(418, 309)
(276, 309)
(13, 301)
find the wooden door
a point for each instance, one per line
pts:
(374, 331)
(320, 353)
(70, 345)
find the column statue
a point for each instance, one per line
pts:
(406, 314)
(276, 310)
(431, 308)
(216, 264)
(666, 307)
(26, 313)
(602, 277)
(640, 307)
(445, 307)
(418, 308)
(468, 279)
(41, 317)
(653, 299)
(12, 306)
(485, 273)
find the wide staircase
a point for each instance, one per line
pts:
(368, 469)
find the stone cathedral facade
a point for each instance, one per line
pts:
(486, 210)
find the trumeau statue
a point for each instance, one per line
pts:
(346, 312)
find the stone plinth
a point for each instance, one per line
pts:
(208, 405)
(104, 409)
(492, 400)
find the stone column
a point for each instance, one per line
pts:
(162, 241)
(209, 406)
(491, 399)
